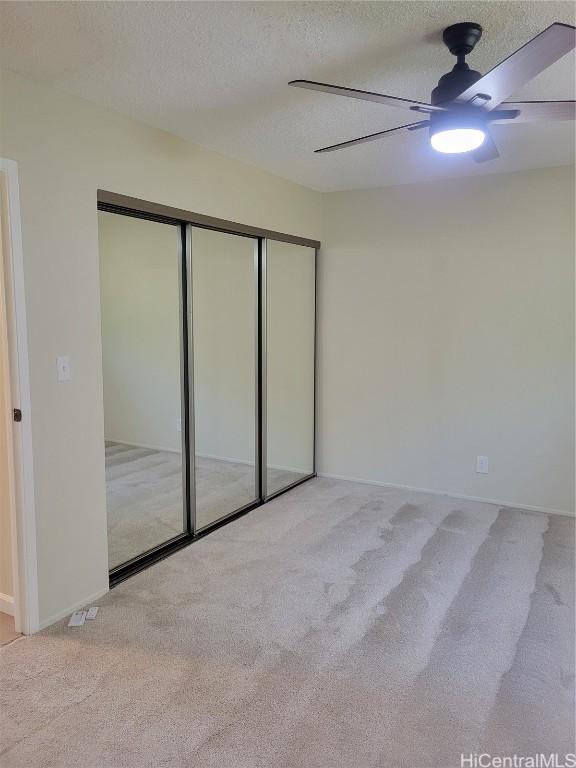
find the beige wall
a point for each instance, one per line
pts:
(140, 305)
(290, 357)
(224, 305)
(447, 332)
(66, 149)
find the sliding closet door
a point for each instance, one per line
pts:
(142, 327)
(224, 309)
(290, 324)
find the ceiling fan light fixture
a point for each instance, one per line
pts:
(457, 140)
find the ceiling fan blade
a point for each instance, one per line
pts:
(378, 98)
(369, 137)
(520, 67)
(486, 151)
(502, 115)
(536, 111)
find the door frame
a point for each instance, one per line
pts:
(22, 512)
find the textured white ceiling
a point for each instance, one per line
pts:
(217, 73)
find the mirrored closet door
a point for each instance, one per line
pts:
(208, 345)
(224, 329)
(290, 334)
(142, 326)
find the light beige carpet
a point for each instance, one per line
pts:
(144, 495)
(339, 626)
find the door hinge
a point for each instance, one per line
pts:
(17, 414)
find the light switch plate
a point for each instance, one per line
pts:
(63, 368)
(482, 465)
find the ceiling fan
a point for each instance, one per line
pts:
(465, 103)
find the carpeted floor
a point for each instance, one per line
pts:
(340, 626)
(144, 495)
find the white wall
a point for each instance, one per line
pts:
(140, 305)
(447, 332)
(66, 149)
(290, 357)
(224, 305)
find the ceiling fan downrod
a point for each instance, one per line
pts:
(460, 40)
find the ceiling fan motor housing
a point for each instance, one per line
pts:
(454, 83)
(460, 39)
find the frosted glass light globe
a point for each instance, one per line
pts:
(456, 140)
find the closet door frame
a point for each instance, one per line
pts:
(160, 551)
(185, 220)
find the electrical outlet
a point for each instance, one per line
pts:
(482, 465)
(178, 425)
(77, 619)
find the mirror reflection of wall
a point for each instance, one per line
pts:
(140, 305)
(224, 306)
(290, 322)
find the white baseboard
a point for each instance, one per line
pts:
(381, 483)
(6, 604)
(71, 608)
(251, 463)
(142, 445)
(204, 455)
(229, 459)
(291, 469)
(451, 494)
